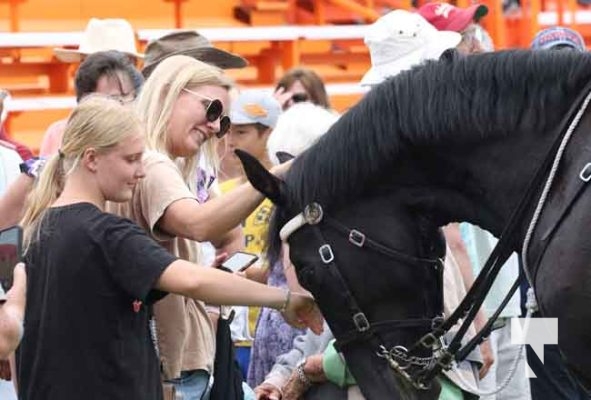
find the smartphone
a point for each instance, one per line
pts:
(239, 261)
(11, 244)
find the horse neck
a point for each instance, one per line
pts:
(483, 182)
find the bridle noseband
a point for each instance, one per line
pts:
(398, 357)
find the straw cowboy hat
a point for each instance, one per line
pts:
(192, 44)
(102, 35)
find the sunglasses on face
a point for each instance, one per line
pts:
(213, 111)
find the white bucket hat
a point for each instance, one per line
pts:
(102, 35)
(400, 40)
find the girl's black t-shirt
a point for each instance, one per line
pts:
(90, 280)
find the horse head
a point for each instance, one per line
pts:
(375, 273)
(455, 140)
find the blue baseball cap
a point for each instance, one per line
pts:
(255, 107)
(558, 36)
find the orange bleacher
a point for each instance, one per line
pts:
(281, 39)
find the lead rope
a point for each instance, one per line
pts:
(546, 190)
(531, 303)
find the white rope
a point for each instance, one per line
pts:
(531, 303)
(546, 190)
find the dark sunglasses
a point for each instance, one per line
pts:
(299, 97)
(213, 111)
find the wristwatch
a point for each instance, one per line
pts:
(299, 370)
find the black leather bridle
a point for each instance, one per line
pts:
(408, 366)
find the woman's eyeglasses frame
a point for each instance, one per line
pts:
(214, 109)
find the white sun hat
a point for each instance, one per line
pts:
(400, 40)
(102, 35)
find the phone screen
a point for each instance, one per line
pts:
(239, 261)
(10, 254)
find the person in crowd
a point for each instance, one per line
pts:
(558, 38)
(102, 34)
(395, 38)
(301, 84)
(92, 276)
(182, 105)
(24, 152)
(12, 310)
(296, 129)
(111, 73)
(192, 44)
(11, 317)
(253, 114)
(466, 21)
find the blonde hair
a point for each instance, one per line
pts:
(97, 122)
(157, 99)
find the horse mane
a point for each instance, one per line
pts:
(455, 100)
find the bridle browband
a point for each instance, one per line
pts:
(398, 357)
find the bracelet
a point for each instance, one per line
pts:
(301, 374)
(283, 308)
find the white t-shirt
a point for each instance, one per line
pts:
(9, 166)
(9, 171)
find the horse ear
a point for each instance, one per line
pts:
(262, 180)
(450, 55)
(284, 156)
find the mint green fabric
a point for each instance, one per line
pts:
(334, 367)
(449, 390)
(337, 372)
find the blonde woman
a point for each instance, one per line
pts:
(183, 106)
(92, 276)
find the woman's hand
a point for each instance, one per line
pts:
(313, 368)
(266, 391)
(301, 311)
(487, 358)
(282, 96)
(12, 312)
(219, 259)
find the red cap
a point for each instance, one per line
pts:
(447, 17)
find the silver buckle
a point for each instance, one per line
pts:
(326, 253)
(313, 213)
(585, 173)
(357, 238)
(361, 322)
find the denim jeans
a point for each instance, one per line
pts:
(192, 385)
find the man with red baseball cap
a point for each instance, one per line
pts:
(447, 17)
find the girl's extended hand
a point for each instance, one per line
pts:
(301, 311)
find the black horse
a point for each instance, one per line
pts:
(455, 140)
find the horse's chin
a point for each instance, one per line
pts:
(378, 381)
